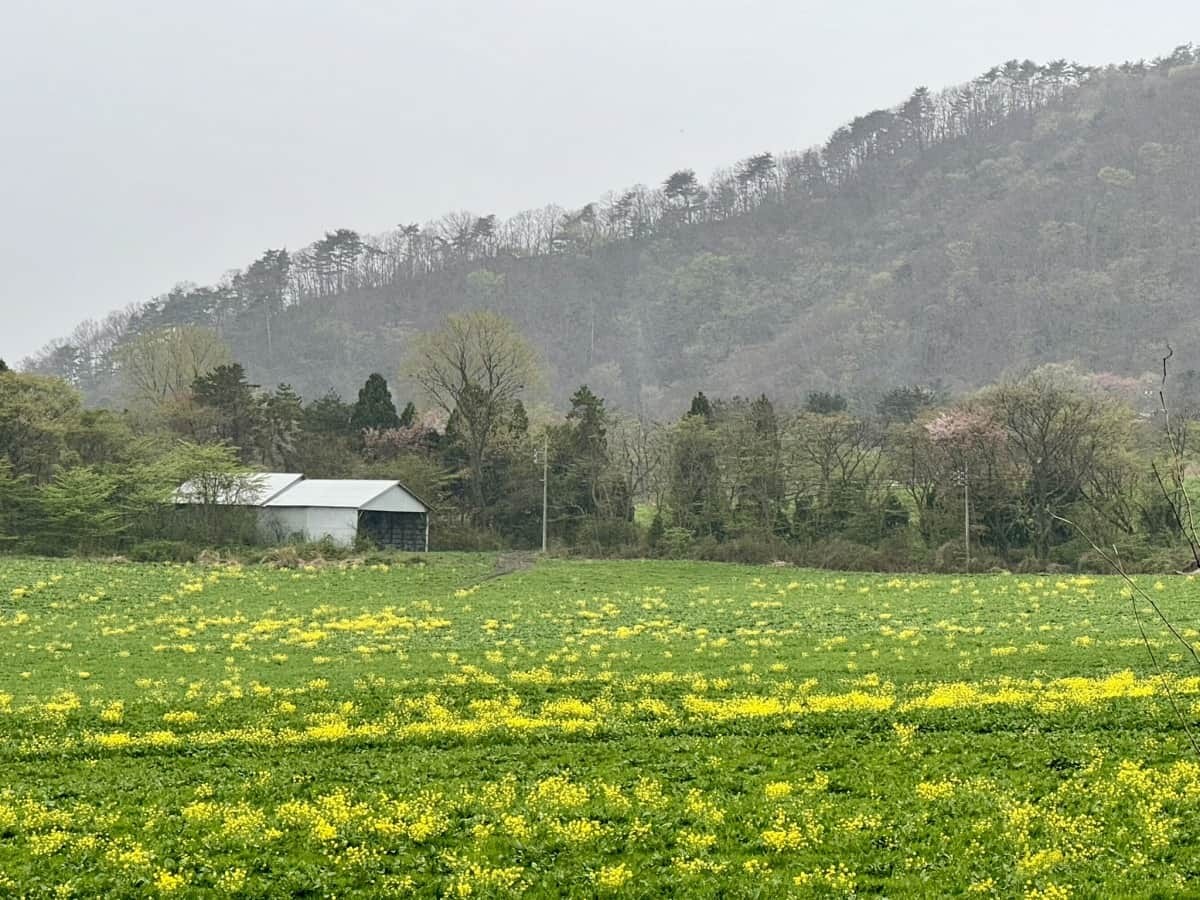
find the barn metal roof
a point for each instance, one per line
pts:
(337, 493)
(266, 486)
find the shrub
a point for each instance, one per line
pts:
(655, 535)
(838, 553)
(751, 549)
(446, 535)
(163, 551)
(676, 542)
(607, 535)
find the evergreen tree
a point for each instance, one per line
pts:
(519, 421)
(409, 415)
(328, 415)
(655, 535)
(238, 419)
(283, 413)
(374, 408)
(824, 403)
(697, 501)
(586, 449)
(763, 486)
(702, 407)
(904, 404)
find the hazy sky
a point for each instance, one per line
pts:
(147, 143)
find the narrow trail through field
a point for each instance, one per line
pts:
(509, 564)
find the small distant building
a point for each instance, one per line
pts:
(342, 509)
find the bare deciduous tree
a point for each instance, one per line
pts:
(477, 365)
(161, 365)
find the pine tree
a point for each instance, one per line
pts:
(409, 416)
(587, 448)
(328, 415)
(702, 407)
(374, 408)
(239, 412)
(655, 535)
(825, 404)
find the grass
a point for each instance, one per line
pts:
(617, 728)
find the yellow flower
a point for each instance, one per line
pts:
(777, 790)
(168, 882)
(613, 878)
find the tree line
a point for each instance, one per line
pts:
(918, 480)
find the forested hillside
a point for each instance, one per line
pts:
(1040, 213)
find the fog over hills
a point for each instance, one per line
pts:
(1042, 212)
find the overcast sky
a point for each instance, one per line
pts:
(147, 143)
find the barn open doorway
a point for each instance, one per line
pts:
(395, 530)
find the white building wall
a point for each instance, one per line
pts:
(341, 525)
(313, 522)
(396, 499)
(280, 523)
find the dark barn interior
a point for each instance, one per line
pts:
(395, 530)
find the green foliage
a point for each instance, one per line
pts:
(37, 414)
(374, 408)
(701, 407)
(409, 415)
(79, 510)
(656, 532)
(697, 501)
(741, 479)
(160, 366)
(475, 368)
(213, 473)
(904, 404)
(237, 410)
(825, 404)
(282, 418)
(676, 542)
(162, 550)
(272, 750)
(18, 504)
(328, 415)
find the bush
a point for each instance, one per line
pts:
(676, 543)
(607, 535)
(1138, 559)
(750, 549)
(838, 553)
(654, 535)
(163, 551)
(444, 535)
(903, 551)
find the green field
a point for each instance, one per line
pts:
(618, 728)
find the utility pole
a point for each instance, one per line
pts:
(967, 513)
(545, 484)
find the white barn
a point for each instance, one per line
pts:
(342, 509)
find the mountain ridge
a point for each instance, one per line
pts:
(948, 239)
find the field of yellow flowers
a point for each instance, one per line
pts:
(620, 728)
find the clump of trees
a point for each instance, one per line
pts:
(916, 479)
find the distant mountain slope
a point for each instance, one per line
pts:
(1039, 213)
